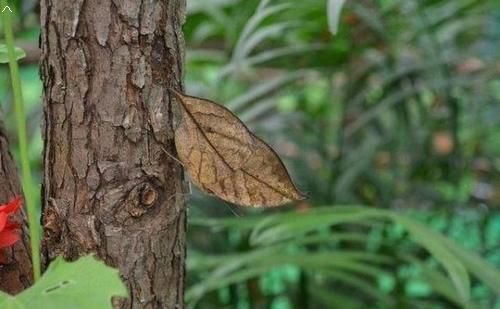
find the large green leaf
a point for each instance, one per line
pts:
(85, 283)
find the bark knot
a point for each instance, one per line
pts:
(145, 196)
(148, 196)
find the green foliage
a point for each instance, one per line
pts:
(20, 53)
(331, 245)
(397, 110)
(85, 283)
(400, 114)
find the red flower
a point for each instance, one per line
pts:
(8, 235)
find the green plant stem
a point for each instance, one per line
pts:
(27, 180)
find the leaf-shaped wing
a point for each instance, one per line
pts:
(225, 159)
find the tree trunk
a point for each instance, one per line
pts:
(109, 187)
(16, 273)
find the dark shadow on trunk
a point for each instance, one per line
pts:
(15, 273)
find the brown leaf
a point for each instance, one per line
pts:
(225, 159)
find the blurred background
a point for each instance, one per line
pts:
(390, 105)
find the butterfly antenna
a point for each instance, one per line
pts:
(171, 156)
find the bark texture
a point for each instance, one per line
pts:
(109, 187)
(16, 273)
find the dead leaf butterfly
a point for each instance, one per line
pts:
(224, 158)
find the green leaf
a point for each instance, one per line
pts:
(333, 10)
(85, 283)
(483, 270)
(20, 53)
(359, 283)
(435, 244)
(439, 282)
(279, 228)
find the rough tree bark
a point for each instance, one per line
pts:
(109, 187)
(16, 273)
